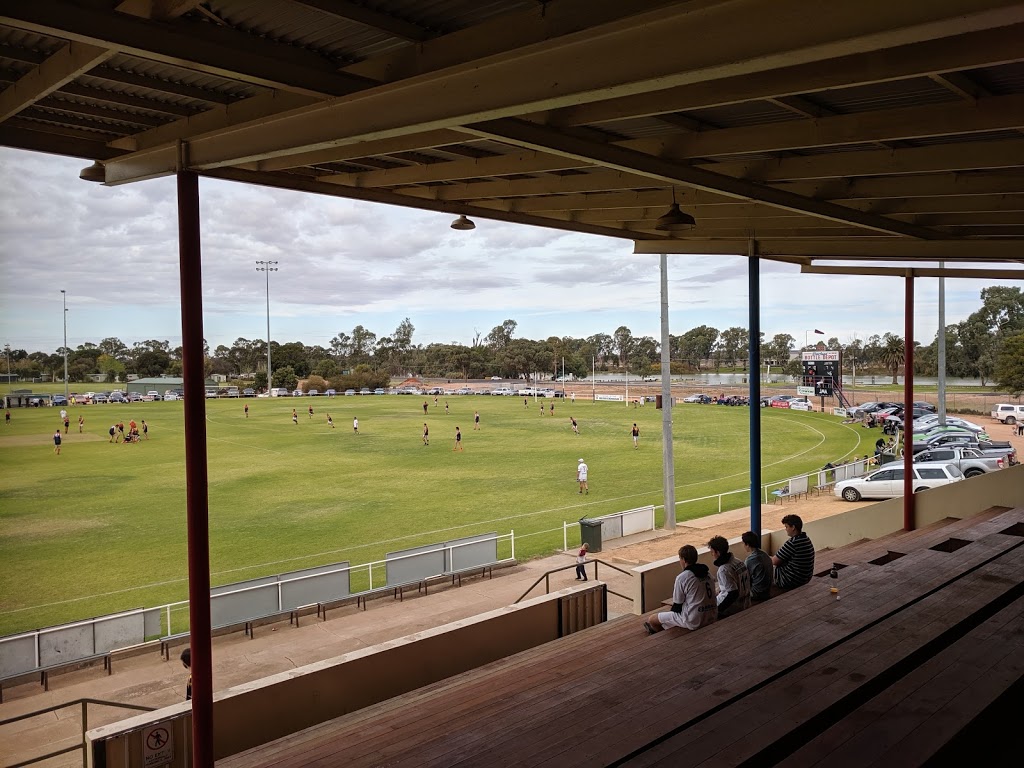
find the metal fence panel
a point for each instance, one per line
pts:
(237, 607)
(243, 584)
(415, 564)
(65, 644)
(17, 654)
(637, 520)
(119, 632)
(152, 624)
(325, 582)
(471, 552)
(611, 527)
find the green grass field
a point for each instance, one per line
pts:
(101, 527)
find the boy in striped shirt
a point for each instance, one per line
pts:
(794, 562)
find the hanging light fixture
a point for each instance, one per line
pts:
(95, 172)
(675, 220)
(462, 223)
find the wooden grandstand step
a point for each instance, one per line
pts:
(609, 691)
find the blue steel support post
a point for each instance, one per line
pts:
(754, 383)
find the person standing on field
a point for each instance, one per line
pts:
(145, 429)
(56, 442)
(355, 425)
(424, 407)
(476, 419)
(67, 423)
(581, 476)
(295, 417)
(112, 431)
(575, 426)
(81, 423)
(426, 434)
(330, 421)
(310, 411)
(572, 398)
(7, 417)
(458, 440)
(247, 410)
(636, 435)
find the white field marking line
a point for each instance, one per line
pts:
(426, 533)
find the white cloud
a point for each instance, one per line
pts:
(346, 262)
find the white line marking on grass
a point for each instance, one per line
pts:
(436, 531)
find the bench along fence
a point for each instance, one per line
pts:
(618, 524)
(245, 602)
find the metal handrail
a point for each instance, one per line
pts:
(84, 703)
(545, 577)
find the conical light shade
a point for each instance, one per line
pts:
(95, 172)
(462, 223)
(675, 220)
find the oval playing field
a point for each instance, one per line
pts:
(102, 526)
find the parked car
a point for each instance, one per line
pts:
(697, 399)
(153, 394)
(526, 391)
(211, 394)
(364, 391)
(781, 401)
(495, 378)
(116, 397)
(233, 392)
(279, 392)
(169, 396)
(133, 397)
(378, 391)
(349, 392)
(887, 483)
(800, 404)
(248, 392)
(58, 400)
(297, 393)
(965, 439)
(313, 393)
(503, 391)
(99, 397)
(970, 461)
(435, 391)
(1008, 413)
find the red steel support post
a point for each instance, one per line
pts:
(190, 264)
(908, 405)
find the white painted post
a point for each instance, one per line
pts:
(512, 538)
(565, 536)
(719, 503)
(371, 575)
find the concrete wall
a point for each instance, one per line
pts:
(254, 713)
(1003, 488)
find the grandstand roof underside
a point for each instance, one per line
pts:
(867, 131)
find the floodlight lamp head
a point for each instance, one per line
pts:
(463, 224)
(95, 173)
(675, 220)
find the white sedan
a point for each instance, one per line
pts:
(887, 483)
(801, 404)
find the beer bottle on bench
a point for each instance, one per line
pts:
(833, 576)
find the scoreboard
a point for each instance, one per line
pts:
(823, 371)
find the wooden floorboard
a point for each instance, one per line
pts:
(741, 732)
(610, 690)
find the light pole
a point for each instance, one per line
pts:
(7, 351)
(267, 267)
(64, 298)
(814, 330)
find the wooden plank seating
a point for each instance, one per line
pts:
(778, 718)
(612, 694)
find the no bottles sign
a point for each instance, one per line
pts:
(157, 745)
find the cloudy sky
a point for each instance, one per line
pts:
(344, 263)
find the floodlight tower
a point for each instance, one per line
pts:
(64, 298)
(267, 267)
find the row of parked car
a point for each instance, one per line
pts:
(943, 453)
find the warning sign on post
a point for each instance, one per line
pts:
(157, 745)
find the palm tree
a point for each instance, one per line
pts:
(893, 354)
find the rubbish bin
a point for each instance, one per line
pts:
(590, 534)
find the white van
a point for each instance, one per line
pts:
(280, 392)
(1008, 413)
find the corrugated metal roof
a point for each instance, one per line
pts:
(913, 92)
(1000, 81)
(743, 114)
(30, 40)
(639, 127)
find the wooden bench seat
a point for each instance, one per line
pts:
(610, 690)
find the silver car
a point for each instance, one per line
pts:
(887, 483)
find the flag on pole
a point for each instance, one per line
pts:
(819, 332)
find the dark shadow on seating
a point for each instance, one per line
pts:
(888, 557)
(950, 545)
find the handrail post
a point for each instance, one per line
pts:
(565, 536)
(85, 727)
(597, 564)
(547, 584)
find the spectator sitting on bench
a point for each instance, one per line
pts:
(733, 579)
(693, 597)
(759, 566)
(794, 562)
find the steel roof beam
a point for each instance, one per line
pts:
(49, 75)
(194, 45)
(859, 248)
(392, 25)
(540, 137)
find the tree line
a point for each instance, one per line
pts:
(989, 344)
